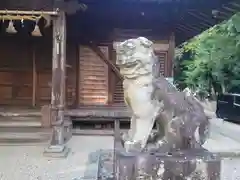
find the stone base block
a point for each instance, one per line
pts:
(67, 129)
(58, 151)
(197, 164)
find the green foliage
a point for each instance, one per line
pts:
(210, 62)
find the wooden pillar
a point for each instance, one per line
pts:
(111, 75)
(77, 75)
(34, 86)
(171, 55)
(57, 145)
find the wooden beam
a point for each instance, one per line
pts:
(63, 56)
(77, 70)
(202, 19)
(57, 147)
(17, 12)
(34, 88)
(235, 4)
(171, 55)
(111, 77)
(113, 67)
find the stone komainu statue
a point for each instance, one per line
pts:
(180, 118)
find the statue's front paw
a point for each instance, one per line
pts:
(153, 137)
(131, 146)
(152, 148)
(124, 137)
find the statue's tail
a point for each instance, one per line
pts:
(209, 107)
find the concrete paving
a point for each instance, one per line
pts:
(230, 169)
(226, 128)
(221, 141)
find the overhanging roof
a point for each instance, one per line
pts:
(186, 18)
(195, 21)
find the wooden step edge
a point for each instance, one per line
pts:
(20, 119)
(99, 132)
(26, 135)
(23, 142)
(26, 129)
(19, 124)
(27, 144)
(10, 115)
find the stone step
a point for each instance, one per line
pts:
(23, 142)
(20, 124)
(19, 113)
(24, 129)
(24, 135)
(20, 118)
(20, 121)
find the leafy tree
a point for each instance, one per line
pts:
(210, 62)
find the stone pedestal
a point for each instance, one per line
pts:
(67, 129)
(60, 136)
(194, 164)
(58, 151)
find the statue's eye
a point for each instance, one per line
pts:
(120, 52)
(130, 45)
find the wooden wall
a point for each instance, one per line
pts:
(93, 83)
(43, 63)
(26, 68)
(15, 73)
(26, 73)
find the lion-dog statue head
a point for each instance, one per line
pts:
(135, 57)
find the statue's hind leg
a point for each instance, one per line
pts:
(132, 129)
(129, 135)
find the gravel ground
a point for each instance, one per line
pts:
(28, 162)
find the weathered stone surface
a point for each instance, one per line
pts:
(181, 120)
(182, 123)
(193, 164)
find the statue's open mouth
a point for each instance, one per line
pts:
(127, 65)
(130, 65)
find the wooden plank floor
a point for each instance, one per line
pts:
(87, 120)
(115, 110)
(106, 111)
